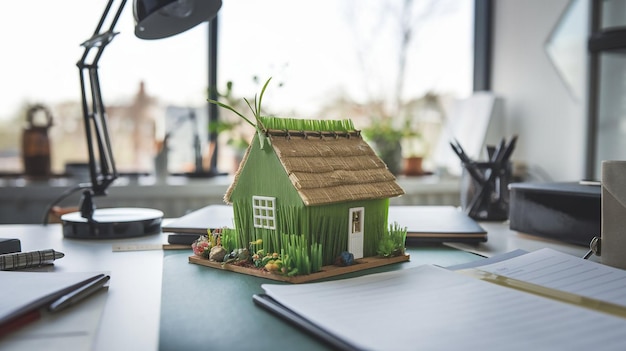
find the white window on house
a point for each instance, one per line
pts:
(264, 212)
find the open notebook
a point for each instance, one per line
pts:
(433, 308)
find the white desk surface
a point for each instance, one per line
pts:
(130, 320)
(131, 316)
(500, 239)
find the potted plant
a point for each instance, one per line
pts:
(413, 153)
(425, 116)
(386, 140)
(405, 142)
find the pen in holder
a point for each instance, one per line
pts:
(485, 190)
(485, 185)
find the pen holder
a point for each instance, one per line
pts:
(485, 190)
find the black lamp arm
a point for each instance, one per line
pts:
(101, 162)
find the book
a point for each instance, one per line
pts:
(424, 223)
(579, 305)
(437, 224)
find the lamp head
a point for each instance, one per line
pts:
(156, 19)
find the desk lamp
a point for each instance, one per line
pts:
(154, 19)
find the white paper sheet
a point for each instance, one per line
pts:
(556, 270)
(431, 308)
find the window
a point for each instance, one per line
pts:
(356, 221)
(355, 54)
(367, 60)
(41, 45)
(327, 59)
(606, 132)
(264, 212)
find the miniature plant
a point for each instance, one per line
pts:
(306, 258)
(228, 239)
(241, 255)
(392, 243)
(291, 261)
(274, 263)
(259, 255)
(202, 246)
(256, 111)
(210, 246)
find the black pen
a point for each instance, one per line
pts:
(79, 294)
(490, 151)
(501, 157)
(499, 151)
(509, 150)
(459, 151)
(467, 162)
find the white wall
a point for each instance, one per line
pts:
(538, 106)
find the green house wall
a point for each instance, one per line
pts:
(264, 175)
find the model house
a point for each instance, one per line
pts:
(328, 185)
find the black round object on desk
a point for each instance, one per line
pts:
(113, 223)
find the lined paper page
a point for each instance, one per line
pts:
(431, 308)
(556, 270)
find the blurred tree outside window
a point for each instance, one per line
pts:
(373, 61)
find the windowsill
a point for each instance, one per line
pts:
(25, 200)
(63, 180)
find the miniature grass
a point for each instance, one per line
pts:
(306, 258)
(392, 243)
(345, 125)
(228, 239)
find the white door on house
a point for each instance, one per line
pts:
(355, 232)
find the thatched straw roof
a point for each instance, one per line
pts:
(329, 167)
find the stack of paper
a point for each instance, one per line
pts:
(432, 308)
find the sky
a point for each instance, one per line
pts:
(309, 48)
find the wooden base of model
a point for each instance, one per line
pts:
(326, 272)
